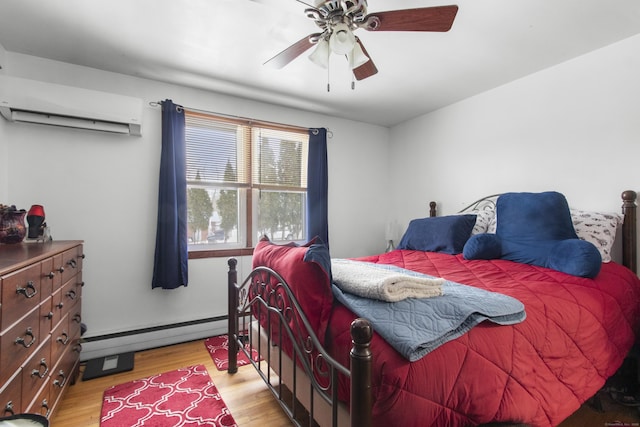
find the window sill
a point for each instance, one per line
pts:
(220, 253)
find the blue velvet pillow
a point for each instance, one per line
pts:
(483, 246)
(534, 217)
(536, 229)
(446, 234)
(575, 256)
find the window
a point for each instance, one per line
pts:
(244, 180)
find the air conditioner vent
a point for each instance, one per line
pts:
(32, 101)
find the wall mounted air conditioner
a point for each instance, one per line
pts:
(3, 54)
(23, 100)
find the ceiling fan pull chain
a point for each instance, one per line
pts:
(328, 78)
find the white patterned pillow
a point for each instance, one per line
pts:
(483, 220)
(598, 228)
(493, 221)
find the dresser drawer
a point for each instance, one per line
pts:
(56, 273)
(10, 397)
(63, 374)
(75, 319)
(56, 307)
(18, 343)
(61, 339)
(71, 263)
(78, 285)
(47, 275)
(35, 372)
(40, 405)
(20, 294)
(46, 316)
(69, 296)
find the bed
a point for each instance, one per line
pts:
(326, 364)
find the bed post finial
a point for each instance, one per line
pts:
(432, 208)
(232, 280)
(361, 361)
(629, 242)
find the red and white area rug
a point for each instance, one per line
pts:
(218, 348)
(185, 397)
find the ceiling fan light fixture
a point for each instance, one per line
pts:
(320, 56)
(357, 57)
(342, 39)
(338, 19)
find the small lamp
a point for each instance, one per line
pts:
(35, 219)
(390, 234)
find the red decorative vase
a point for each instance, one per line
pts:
(12, 228)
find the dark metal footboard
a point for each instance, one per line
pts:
(264, 309)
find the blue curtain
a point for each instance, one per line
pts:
(317, 185)
(170, 269)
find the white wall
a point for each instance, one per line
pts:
(4, 162)
(574, 128)
(3, 143)
(102, 188)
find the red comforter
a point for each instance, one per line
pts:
(576, 334)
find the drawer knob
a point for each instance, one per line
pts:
(39, 372)
(61, 270)
(29, 291)
(71, 294)
(51, 275)
(23, 342)
(76, 318)
(45, 406)
(49, 315)
(73, 263)
(61, 380)
(8, 408)
(63, 338)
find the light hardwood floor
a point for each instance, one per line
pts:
(244, 393)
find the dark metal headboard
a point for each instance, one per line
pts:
(488, 202)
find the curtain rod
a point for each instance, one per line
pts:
(230, 116)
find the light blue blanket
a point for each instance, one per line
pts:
(417, 326)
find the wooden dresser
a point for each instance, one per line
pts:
(39, 324)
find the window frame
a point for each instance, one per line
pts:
(247, 199)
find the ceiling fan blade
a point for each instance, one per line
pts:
(290, 53)
(439, 18)
(367, 69)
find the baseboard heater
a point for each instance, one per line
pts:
(154, 328)
(151, 337)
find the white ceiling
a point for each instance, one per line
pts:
(221, 45)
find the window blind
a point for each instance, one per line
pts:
(227, 151)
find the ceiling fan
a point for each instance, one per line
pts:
(338, 19)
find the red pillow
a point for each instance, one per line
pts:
(306, 271)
